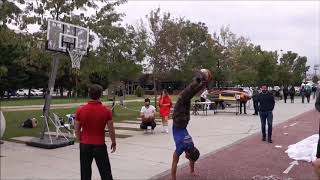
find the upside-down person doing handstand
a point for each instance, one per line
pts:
(181, 117)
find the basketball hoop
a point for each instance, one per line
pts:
(76, 57)
(68, 38)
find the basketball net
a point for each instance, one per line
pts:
(76, 57)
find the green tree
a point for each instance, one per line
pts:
(266, 69)
(8, 12)
(231, 48)
(13, 50)
(292, 68)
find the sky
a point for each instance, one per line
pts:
(275, 25)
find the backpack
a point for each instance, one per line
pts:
(29, 123)
(308, 91)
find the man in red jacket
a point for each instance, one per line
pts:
(91, 121)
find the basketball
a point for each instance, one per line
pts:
(207, 73)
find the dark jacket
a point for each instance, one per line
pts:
(285, 91)
(255, 94)
(302, 92)
(308, 91)
(292, 91)
(314, 89)
(120, 92)
(266, 102)
(181, 110)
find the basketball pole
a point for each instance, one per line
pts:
(52, 79)
(76, 83)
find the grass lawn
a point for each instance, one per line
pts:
(14, 119)
(58, 100)
(55, 100)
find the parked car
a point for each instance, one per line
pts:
(8, 93)
(37, 92)
(22, 92)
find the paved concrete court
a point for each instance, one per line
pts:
(141, 156)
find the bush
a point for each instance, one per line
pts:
(139, 91)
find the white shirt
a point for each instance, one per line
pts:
(204, 94)
(148, 112)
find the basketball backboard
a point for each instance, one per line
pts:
(62, 36)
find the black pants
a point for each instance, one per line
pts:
(244, 105)
(292, 99)
(266, 117)
(181, 112)
(308, 98)
(255, 106)
(302, 98)
(285, 98)
(100, 154)
(144, 125)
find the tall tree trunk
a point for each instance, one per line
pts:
(61, 91)
(155, 90)
(29, 93)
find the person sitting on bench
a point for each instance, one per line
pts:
(147, 115)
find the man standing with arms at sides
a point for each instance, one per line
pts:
(181, 117)
(121, 96)
(314, 91)
(285, 93)
(266, 105)
(302, 93)
(91, 121)
(255, 94)
(292, 93)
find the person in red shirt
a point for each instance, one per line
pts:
(165, 105)
(91, 120)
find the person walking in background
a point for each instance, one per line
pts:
(302, 93)
(266, 105)
(314, 91)
(91, 121)
(243, 103)
(165, 105)
(204, 97)
(308, 93)
(281, 93)
(292, 93)
(255, 94)
(285, 93)
(121, 96)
